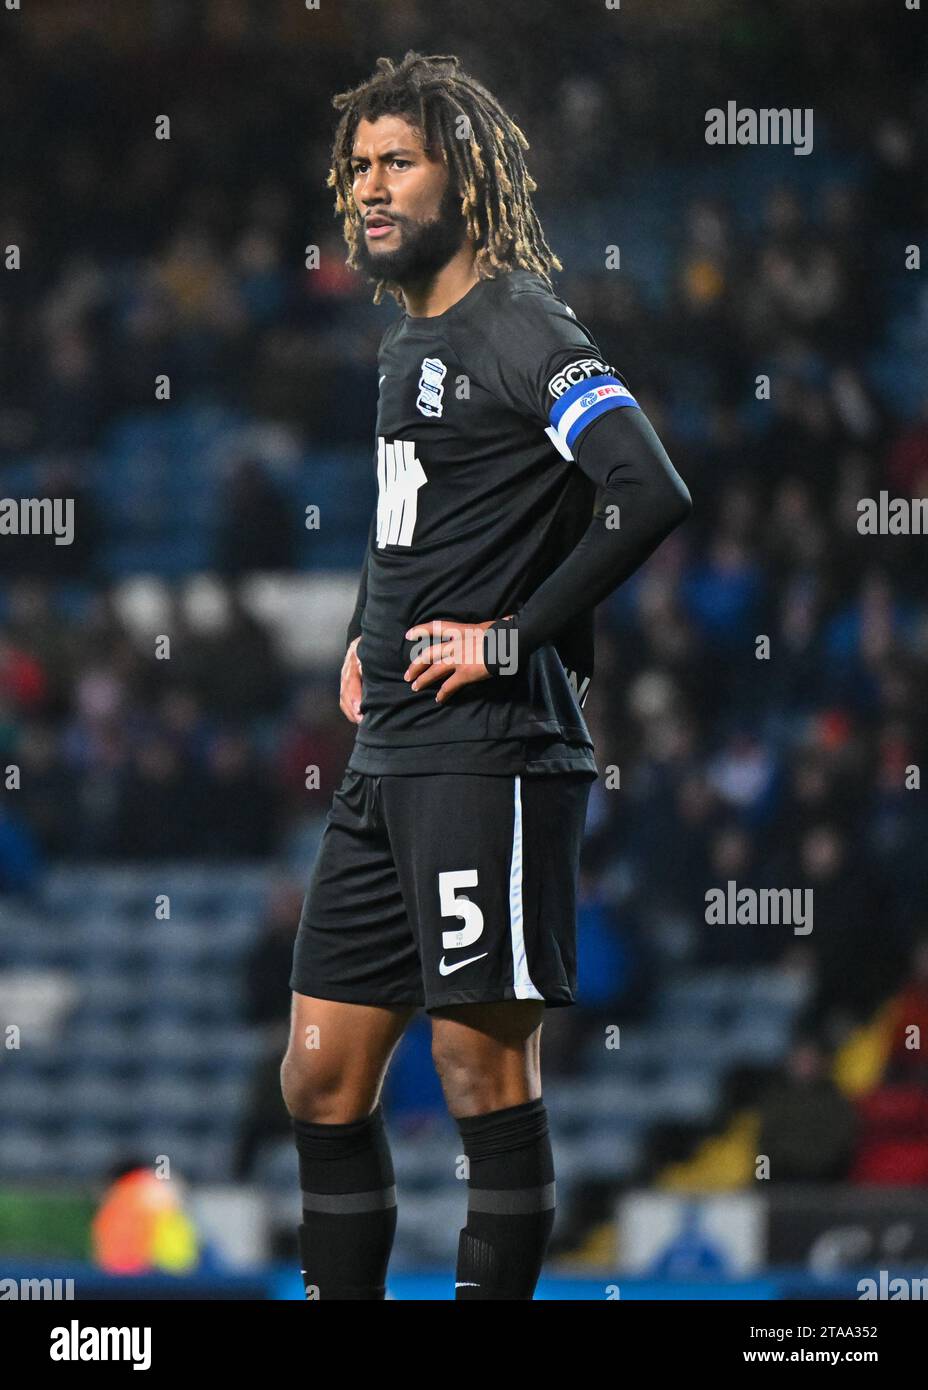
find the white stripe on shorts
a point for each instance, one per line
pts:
(521, 979)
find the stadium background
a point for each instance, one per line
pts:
(154, 852)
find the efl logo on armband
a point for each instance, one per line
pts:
(584, 402)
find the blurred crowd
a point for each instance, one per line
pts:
(122, 755)
(186, 255)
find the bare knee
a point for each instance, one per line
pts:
(337, 1058)
(468, 1089)
(485, 1069)
(317, 1092)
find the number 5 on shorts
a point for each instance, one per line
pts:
(461, 906)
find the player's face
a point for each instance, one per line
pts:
(413, 222)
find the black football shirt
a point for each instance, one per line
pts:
(479, 501)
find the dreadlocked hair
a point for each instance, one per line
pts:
(464, 124)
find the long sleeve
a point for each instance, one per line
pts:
(641, 498)
(354, 626)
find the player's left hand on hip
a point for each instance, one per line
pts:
(451, 653)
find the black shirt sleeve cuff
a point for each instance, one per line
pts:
(500, 656)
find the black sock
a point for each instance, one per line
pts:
(349, 1207)
(510, 1202)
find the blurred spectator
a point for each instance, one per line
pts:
(238, 802)
(893, 1144)
(267, 1009)
(908, 1057)
(141, 1226)
(807, 1126)
(257, 529)
(161, 807)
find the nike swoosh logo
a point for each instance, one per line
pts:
(450, 969)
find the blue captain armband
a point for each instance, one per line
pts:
(580, 405)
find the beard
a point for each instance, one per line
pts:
(425, 247)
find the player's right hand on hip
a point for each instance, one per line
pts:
(350, 698)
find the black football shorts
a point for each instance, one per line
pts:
(446, 888)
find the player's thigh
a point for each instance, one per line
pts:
(355, 976)
(354, 943)
(489, 867)
(337, 1057)
(487, 1029)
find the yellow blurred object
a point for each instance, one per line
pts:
(703, 282)
(860, 1063)
(721, 1163)
(174, 1243)
(598, 1248)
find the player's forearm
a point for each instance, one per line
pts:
(635, 476)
